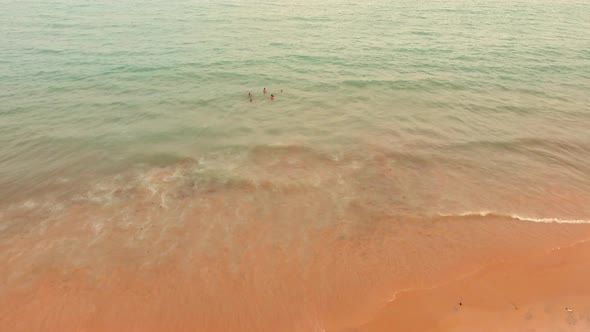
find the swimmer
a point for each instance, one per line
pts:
(250, 95)
(272, 97)
(264, 91)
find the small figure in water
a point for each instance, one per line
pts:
(272, 97)
(250, 95)
(264, 91)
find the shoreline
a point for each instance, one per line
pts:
(337, 278)
(543, 292)
(288, 239)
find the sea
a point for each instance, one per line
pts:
(129, 142)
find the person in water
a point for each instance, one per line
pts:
(264, 91)
(250, 95)
(272, 97)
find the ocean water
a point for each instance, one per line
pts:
(498, 91)
(126, 125)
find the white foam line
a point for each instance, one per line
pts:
(551, 220)
(518, 217)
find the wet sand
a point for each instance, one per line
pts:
(542, 292)
(389, 276)
(293, 241)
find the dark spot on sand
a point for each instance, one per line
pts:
(460, 303)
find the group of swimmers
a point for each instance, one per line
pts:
(272, 97)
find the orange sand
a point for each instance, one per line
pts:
(332, 279)
(303, 252)
(542, 292)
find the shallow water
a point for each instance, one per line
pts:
(129, 149)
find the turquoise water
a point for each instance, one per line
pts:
(489, 98)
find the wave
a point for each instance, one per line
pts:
(516, 217)
(417, 84)
(528, 143)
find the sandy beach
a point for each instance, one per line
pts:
(461, 273)
(544, 291)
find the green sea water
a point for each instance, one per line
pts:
(493, 96)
